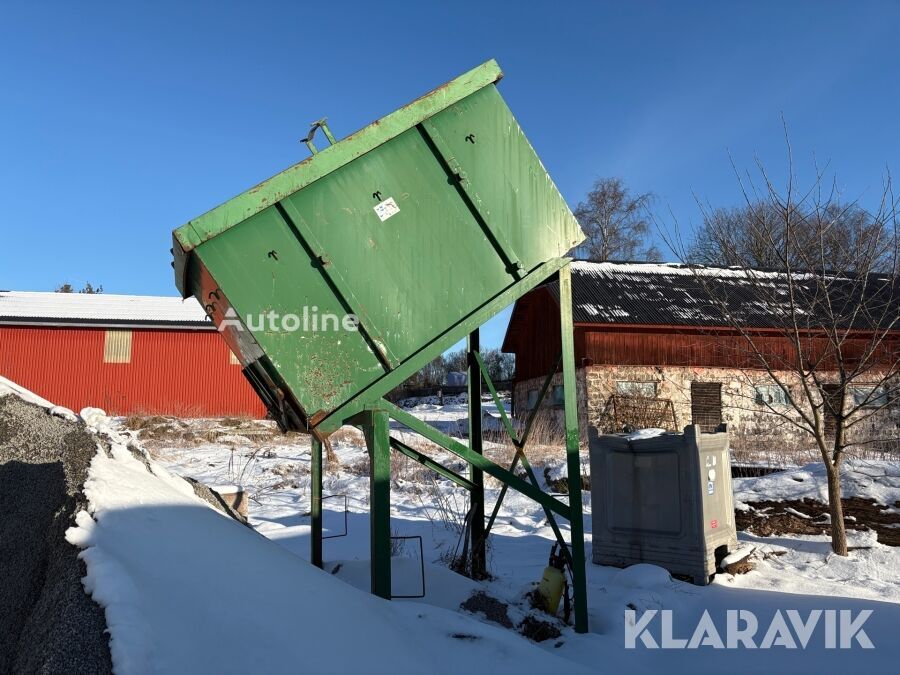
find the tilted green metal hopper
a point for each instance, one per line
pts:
(422, 225)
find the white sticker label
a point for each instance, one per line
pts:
(386, 209)
(710, 487)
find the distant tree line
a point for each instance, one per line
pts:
(618, 226)
(500, 367)
(88, 288)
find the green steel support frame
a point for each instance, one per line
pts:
(573, 456)
(375, 424)
(476, 475)
(520, 456)
(316, 503)
(377, 432)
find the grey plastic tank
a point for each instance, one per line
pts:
(665, 500)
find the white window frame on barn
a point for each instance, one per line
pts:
(636, 389)
(770, 395)
(117, 346)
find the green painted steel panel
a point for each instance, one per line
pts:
(411, 225)
(520, 200)
(409, 273)
(322, 368)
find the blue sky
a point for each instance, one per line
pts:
(119, 121)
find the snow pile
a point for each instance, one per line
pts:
(641, 434)
(806, 565)
(9, 387)
(868, 479)
(187, 589)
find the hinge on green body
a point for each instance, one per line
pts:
(457, 172)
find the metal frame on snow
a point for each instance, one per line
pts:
(375, 421)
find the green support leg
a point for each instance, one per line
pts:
(316, 503)
(573, 441)
(476, 529)
(377, 432)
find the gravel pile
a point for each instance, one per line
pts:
(48, 623)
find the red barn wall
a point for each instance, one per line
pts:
(533, 336)
(172, 372)
(664, 346)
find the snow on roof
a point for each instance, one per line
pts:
(99, 309)
(666, 294)
(671, 269)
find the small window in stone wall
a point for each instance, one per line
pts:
(558, 396)
(770, 395)
(869, 396)
(645, 389)
(532, 398)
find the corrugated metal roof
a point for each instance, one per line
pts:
(667, 294)
(100, 309)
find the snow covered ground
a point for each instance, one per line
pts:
(875, 479)
(186, 589)
(795, 573)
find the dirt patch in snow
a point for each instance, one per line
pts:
(741, 566)
(492, 609)
(538, 629)
(808, 516)
(48, 623)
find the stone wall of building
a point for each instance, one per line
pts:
(552, 412)
(748, 420)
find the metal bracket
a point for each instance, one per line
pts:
(421, 564)
(346, 529)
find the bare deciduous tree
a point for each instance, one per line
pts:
(731, 237)
(616, 223)
(833, 308)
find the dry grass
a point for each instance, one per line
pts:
(443, 504)
(545, 446)
(403, 470)
(157, 431)
(784, 447)
(348, 435)
(139, 422)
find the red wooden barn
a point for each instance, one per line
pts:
(126, 354)
(652, 349)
